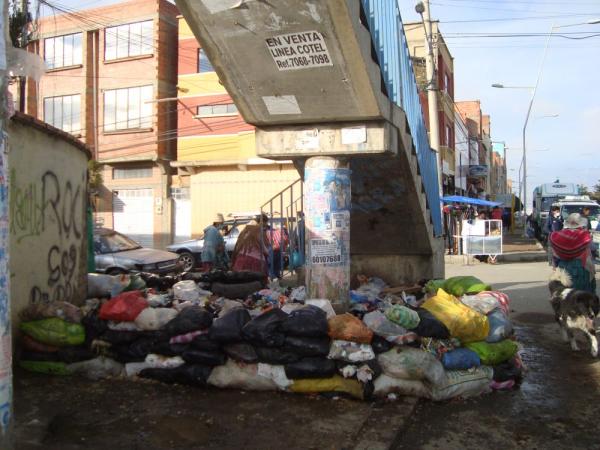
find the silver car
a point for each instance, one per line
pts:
(115, 253)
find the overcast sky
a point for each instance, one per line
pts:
(566, 146)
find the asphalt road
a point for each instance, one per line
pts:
(557, 405)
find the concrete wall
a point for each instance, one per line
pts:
(48, 198)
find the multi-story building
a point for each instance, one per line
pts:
(479, 144)
(217, 167)
(444, 65)
(108, 72)
(462, 155)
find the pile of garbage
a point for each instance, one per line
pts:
(444, 339)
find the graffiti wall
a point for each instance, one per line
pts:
(48, 242)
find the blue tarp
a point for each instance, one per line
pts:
(469, 200)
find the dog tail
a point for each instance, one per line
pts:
(562, 277)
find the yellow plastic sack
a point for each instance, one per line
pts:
(334, 384)
(462, 322)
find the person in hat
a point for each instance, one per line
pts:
(571, 250)
(250, 252)
(213, 250)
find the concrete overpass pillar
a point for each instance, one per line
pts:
(327, 200)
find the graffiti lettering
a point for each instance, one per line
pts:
(35, 205)
(61, 268)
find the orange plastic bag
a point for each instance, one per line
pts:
(463, 323)
(347, 327)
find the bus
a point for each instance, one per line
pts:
(544, 196)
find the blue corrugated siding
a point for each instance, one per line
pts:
(389, 41)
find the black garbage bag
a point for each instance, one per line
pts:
(164, 348)
(203, 342)
(157, 282)
(221, 276)
(265, 330)
(229, 327)
(190, 374)
(204, 357)
(312, 367)
(307, 346)
(192, 318)
(308, 321)
(27, 355)
(94, 326)
(237, 290)
(507, 371)
(380, 345)
(75, 354)
(135, 351)
(117, 337)
(429, 326)
(277, 356)
(241, 352)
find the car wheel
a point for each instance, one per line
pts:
(187, 261)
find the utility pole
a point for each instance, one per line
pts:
(432, 91)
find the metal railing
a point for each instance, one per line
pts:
(285, 237)
(389, 41)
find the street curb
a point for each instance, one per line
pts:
(385, 423)
(539, 256)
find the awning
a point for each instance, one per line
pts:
(469, 200)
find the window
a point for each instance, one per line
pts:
(64, 112)
(446, 83)
(128, 108)
(132, 172)
(63, 51)
(449, 142)
(204, 64)
(217, 110)
(128, 40)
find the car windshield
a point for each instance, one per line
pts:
(114, 242)
(570, 209)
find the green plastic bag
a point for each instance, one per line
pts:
(47, 367)
(403, 316)
(493, 354)
(432, 286)
(54, 331)
(459, 286)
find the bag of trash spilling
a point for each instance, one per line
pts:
(336, 383)
(412, 364)
(346, 327)
(228, 328)
(496, 353)
(350, 351)
(312, 367)
(308, 321)
(385, 385)
(463, 383)
(241, 352)
(266, 329)
(192, 318)
(188, 374)
(54, 331)
(125, 307)
(462, 322)
(500, 326)
(307, 346)
(460, 359)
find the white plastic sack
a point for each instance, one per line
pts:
(186, 290)
(275, 373)
(348, 371)
(97, 368)
(102, 285)
(408, 363)
(482, 303)
(154, 318)
(464, 383)
(234, 375)
(322, 303)
(350, 351)
(157, 300)
(385, 385)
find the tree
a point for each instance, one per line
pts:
(596, 194)
(583, 189)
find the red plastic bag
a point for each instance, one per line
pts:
(125, 307)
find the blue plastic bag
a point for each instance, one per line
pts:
(500, 326)
(460, 359)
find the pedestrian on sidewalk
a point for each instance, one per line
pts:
(213, 249)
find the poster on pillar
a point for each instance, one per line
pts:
(328, 216)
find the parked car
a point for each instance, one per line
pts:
(115, 253)
(190, 251)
